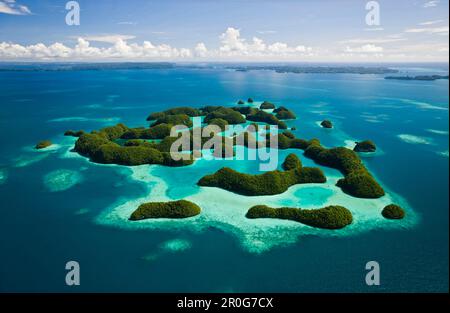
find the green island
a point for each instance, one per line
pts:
(269, 183)
(171, 209)
(74, 133)
(365, 146)
(122, 145)
(326, 124)
(357, 181)
(266, 105)
(284, 114)
(393, 211)
(330, 217)
(268, 118)
(43, 144)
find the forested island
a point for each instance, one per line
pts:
(132, 146)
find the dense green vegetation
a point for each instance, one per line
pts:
(218, 122)
(209, 108)
(268, 183)
(174, 111)
(280, 108)
(172, 209)
(365, 146)
(285, 115)
(100, 149)
(357, 181)
(240, 102)
(250, 100)
(176, 119)
(267, 105)
(227, 114)
(393, 211)
(159, 131)
(291, 162)
(326, 124)
(261, 116)
(245, 110)
(330, 217)
(120, 144)
(74, 133)
(134, 143)
(43, 144)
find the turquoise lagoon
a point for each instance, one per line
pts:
(58, 206)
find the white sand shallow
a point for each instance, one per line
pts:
(176, 245)
(85, 119)
(417, 140)
(226, 211)
(438, 132)
(350, 144)
(61, 180)
(26, 160)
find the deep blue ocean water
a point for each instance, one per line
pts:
(41, 230)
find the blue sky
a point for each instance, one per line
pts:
(228, 30)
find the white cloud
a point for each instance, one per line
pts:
(108, 38)
(431, 4)
(84, 51)
(234, 45)
(369, 48)
(127, 23)
(444, 30)
(372, 29)
(431, 22)
(387, 39)
(265, 32)
(201, 50)
(12, 8)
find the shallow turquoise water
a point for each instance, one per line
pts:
(42, 228)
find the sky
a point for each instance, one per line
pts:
(225, 30)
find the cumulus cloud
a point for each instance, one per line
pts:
(233, 45)
(200, 50)
(13, 8)
(84, 51)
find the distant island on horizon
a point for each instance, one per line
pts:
(314, 68)
(420, 77)
(292, 68)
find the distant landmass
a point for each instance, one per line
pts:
(300, 69)
(421, 77)
(25, 67)
(317, 69)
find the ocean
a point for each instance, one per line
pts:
(57, 206)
